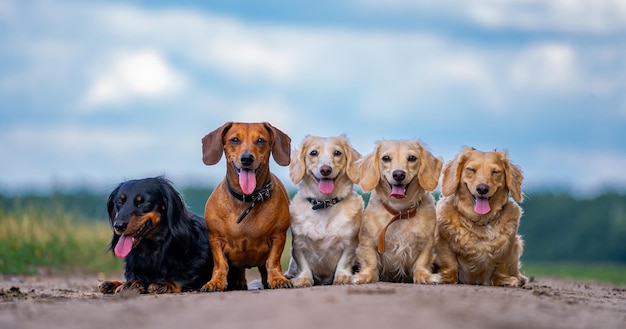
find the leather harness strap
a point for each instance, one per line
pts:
(404, 214)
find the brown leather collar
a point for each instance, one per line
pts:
(404, 214)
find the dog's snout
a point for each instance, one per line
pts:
(482, 189)
(120, 226)
(399, 175)
(247, 159)
(326, 170)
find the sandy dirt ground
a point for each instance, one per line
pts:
(74, 302)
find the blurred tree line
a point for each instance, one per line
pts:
(555, 226)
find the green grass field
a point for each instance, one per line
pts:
(605, 272)
(32, 240)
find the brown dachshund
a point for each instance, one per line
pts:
(247, 214)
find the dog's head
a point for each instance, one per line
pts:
(325, 160)
(484, 177)
(398, 165)
(247, 147)
(142, 210)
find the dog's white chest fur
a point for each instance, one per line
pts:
(323, 235)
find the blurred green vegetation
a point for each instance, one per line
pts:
(564, 235)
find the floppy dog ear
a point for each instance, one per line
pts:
(369, 171)
(452, 172)
(352, 163)
(297, 164)
(213, 146)
(111, 205)
(176, 212)
(429, 170)
(281, 148)
(513, 176)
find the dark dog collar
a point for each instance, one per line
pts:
(254, 197)
(321, 204)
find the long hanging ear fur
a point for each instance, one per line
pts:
(297, 166)
(452, 172)
(281, 148)
(513, 176)
(352, 163)
(177, 219)
(369, 171)
(212, 145)
(429, 170)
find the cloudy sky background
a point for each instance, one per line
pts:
(95, 92)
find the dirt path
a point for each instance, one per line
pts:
(73, 302)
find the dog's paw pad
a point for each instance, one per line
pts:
(342, 279)
(302, 282)
(212, 287)
(280, 282)
(108, 287)
(362, 279)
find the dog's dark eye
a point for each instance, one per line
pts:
(470, 170)
(260, 142)
(386, 158)
(144, 204)
(412, 158)
(235, 140)
(496, 172)
(313, 153)
(337, 153)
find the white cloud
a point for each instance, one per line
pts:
(579, 16)
(140, 74)
(547, 68)
(586, 170)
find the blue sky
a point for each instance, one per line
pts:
(95, 92)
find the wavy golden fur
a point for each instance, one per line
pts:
(477, 222)
(401, 175)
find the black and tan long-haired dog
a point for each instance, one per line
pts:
(164, 245)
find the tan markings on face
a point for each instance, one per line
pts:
(483, 168)
(403, 155)
(242, 138)
(136, 223)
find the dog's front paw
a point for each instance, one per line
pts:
(167, 288)
(507, 281)
(302, 282)
(279, 282)
(342, 279)
(448, 276)
(136, 285)
(425, 277)
(108, 287)
(214, 285)
(361, 278)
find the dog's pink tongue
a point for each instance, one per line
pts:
(326, 186)
(247, 181)
(397, 191)
(481, 206)
(123, 246)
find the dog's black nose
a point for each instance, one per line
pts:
(482, 189)
(119, 226)
(326, 170)
(399, 175)
(247, 159)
